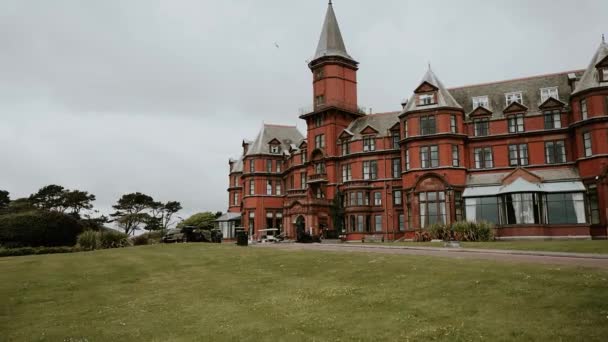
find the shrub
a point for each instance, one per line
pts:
(473, 231)
(110, 238)
(89, 240)
(38, 228)
(440, 232)
(140, 240)
(422, 236)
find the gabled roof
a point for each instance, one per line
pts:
(590, 78)
(481, 110)
(331, 42)
(346, 134)
(382, 122)
(515, 107)
(444, 98)
(551, 103)
(286, 135)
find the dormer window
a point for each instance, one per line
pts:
(546, 93)
(275, 149)
(481, 101)
(603, 74)
(369, 143)
(426, 99)
(514, 97)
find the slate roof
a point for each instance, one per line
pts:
(287, 135)
(590, 78)
(495, 178)
(331, 42)
(444, 98)
(237, 166)
(381, 122)
(529, 86)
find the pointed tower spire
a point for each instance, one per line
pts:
(430, 83)
(591, 78)
(331, 42)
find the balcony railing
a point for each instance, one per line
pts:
(296, 192)
(318, 177)
(327, 104)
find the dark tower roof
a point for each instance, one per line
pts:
(331, 42)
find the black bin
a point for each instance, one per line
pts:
(242, 239)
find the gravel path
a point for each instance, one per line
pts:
(538, 257)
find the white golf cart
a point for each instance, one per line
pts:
(268, 235)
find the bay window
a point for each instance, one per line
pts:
(555, 152)
(565, 208)
(432, 208)
(587, 144)
(429, 156)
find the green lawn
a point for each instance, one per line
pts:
(205, 292)
(572, 246)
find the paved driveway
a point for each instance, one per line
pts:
(549, 258)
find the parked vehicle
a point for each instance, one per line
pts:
(173, 236)
(193, 234)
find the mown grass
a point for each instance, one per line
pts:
(570, 246)
(206, 292)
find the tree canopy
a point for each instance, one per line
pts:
(57, 198)
(137, 211)
(5, 199)
(204, 220)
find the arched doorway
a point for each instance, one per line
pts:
(300, 227)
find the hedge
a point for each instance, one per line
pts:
(5, 252)
(38, 228)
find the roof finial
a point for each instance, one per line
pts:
(429, 63)
(603, 39)
(330, 3)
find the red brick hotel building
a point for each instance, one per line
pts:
(529, 155)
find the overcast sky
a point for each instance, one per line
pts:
(117, 96)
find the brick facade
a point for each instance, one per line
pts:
(530, 155)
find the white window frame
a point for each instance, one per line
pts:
(511, 94)
(548, 90)
(426, 99)
(480, 101)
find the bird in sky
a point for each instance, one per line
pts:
(276, 44)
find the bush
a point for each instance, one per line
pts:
(89, 240)
(110, 238)
(440, 232)
(4, 252)
(107, 238)
(473, 231)
(38, 228)
(422, 236)
(140, 240)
